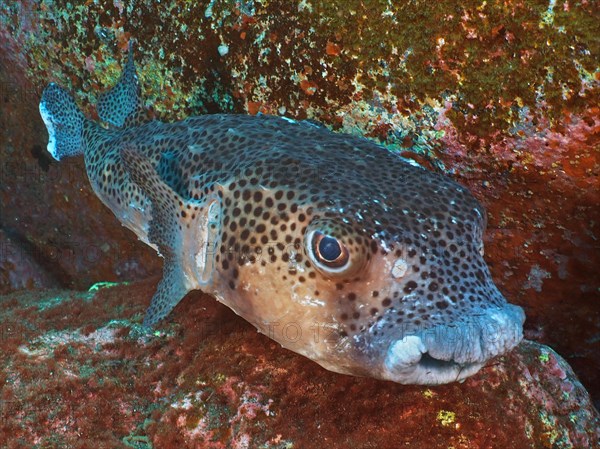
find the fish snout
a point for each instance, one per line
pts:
(452, 352)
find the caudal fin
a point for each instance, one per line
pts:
(64, 122)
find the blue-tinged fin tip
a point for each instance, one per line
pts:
(64, 122)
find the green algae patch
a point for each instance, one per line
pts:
(428, 393)
(52, 302)
(552, 435)
(446, 417)
(137, 442)
(494, 63)
(100, 285)
(544, 357)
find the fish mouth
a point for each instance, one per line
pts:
(450, 353)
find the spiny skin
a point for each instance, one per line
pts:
(415, 303)
(281, 179)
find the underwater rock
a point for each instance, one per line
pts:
(504, 100)
(78, 372)
(18, 268)
(67, 231)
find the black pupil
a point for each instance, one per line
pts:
(329, 248)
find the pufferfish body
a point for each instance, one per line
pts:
(328, 243)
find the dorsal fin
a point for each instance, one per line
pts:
(123, 106)
(185, 231)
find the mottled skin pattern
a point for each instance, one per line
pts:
(410, 298)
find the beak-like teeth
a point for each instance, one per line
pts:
(405, 353)
(453, 352)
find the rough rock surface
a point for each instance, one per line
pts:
(79, 373)
(501, 96)
(19, 268)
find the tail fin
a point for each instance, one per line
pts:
(64, 121)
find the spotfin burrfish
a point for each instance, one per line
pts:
(328, 243)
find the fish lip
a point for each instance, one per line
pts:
(421, 368)
(449, 353)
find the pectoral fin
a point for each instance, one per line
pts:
(170, 290)
(184, 231)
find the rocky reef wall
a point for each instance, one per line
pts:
(502, 96)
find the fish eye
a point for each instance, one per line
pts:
(329, 251)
